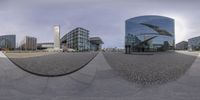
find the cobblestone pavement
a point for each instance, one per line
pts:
(51, 64)
(154, 68)
(96, 81)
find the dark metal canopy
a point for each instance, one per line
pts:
(96, 40)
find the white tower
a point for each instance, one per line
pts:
(56, 29)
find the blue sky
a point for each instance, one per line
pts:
(103, 18)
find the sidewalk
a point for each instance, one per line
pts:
(185, 88)
(96, 81)
(16, 84)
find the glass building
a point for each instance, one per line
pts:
(77, 39)
(149, 33)
(8, 42)
(194, 43)
(41, 46)
(183, 45)
(95, 43)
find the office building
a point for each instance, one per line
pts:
(183, 45)
(29, 43)
(41, 46)
(77, 39)
(149, 33)
(95, 43)
(194, 44)
(7, 42)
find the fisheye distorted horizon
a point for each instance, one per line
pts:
(103, 18)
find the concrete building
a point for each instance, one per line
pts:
(183, 45)
(41, 46)
(29, 43)
(77, 39)
(7, 42)
(56, 29)
(95, 43)
(194, 44)
(149, 33)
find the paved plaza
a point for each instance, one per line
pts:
(46, 64)
(151, 68)
(98, 80)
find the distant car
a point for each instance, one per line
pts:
(71, 50)
(68, 50)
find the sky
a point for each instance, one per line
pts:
(103, 18)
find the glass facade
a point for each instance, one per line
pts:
(95, 43)
(8, 42)
(41, 46)
(149, 33)
(194, 43)
(183, 45)
(77, 39)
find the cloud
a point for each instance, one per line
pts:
(104, 18)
